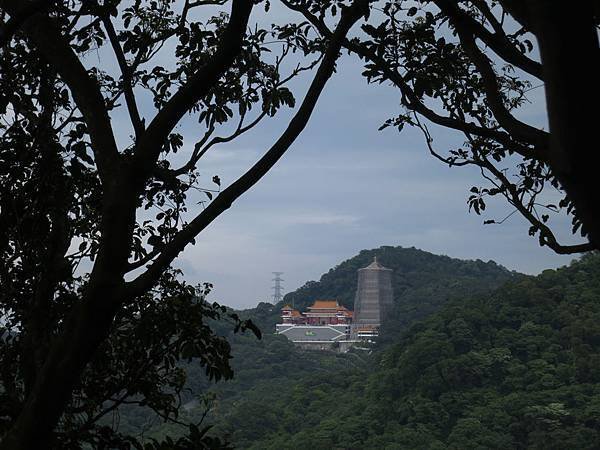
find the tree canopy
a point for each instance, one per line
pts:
(91, 224)
(515, 367)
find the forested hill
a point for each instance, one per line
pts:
(515, 369)
(421, 281)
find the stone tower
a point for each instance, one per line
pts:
(374, 296)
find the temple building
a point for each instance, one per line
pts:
(324, 323)
(327, 325)
(328, 312)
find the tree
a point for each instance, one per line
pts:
(73, 195)
(78, 343)
(468, 66)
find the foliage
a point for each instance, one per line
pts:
(93, 314)
(139, 364)
(266, 370)
(92, 221)
(514, 368)
(470, 67)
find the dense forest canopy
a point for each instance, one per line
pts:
(517, 367)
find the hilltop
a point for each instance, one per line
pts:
(474, 356)
(422, 283)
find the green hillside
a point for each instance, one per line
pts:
(474, 357)
(519, 368)
(422, 283)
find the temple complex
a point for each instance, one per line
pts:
(327, 324)
(323, 324)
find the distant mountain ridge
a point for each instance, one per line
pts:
(413, 268)
(421, 281)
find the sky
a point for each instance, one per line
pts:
(342, 187)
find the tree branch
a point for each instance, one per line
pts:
(498, 41)
(512, 195)
(515, 127)
(46, 36)
(224, 200)
(412, 101)
(136, 120)
(151, 143)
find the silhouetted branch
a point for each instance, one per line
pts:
(512, 195)
(134, 115)
(515, 127)
(412, 101)
(224, 200)
(497, 41)
(148, 148)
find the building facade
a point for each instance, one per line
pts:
(324, 323)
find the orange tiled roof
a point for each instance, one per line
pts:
(325, 304)
(296, 313)
(367, 328)
(287, 308)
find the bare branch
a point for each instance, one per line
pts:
(512, 195)
(429, 141)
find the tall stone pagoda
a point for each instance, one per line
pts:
(374, 299)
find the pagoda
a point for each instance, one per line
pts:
(373, 301)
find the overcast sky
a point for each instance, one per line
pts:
(342, 187)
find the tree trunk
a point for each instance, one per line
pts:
(86, 327)
(569, 52)
(52, 391)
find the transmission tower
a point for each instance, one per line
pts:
(277, 288)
